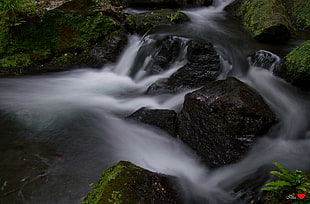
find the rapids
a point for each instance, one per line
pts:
(78, 119)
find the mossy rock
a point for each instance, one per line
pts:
(127, 184)
(299, 12)
(143, 22)
(296, 67)
(266, 19)
(55, 38)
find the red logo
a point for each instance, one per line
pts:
(301, 196)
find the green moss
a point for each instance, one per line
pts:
(53, 37)
(266, 19)
(297, 64)
(127, 184)
(112, 187)
(299, 13)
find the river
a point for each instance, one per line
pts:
(59, 131)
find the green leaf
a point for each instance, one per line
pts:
(301, 188)
(279, 183)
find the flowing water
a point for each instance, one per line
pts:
(59, 131)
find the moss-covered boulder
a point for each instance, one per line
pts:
(266, 19)
(299, 12)
(127, 184)
(296, 66)
(143, 22)
(57, 38)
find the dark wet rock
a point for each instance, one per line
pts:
(267, 20)
(128, 183)
(162, 118)
(168, 53)
(164, 50)
(203, 66)
(265, 59)
(221, 121)
(143, 22)
(168, 3)
(107, 51)
(296, 66)
(250, 190)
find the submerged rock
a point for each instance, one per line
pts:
(126, 183)
(203, 66)
(266, 19)
(296, 66)
(162, 118)
(221, 120)
(143, 22)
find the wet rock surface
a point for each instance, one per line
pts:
(221, 121)
(164, 119)
(203, 66)
(265, 59)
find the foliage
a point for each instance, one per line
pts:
(11, 12)
(288, 183)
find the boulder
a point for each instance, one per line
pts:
(221, 120)
(266, 19)
(162, 118)
(126, 183)
(203, 66)
(296, 66)
(298, 11)
(265, 59)
(141, 23)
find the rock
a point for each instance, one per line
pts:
(143, 22)
(168, 3)
(221, 120)
(249, 191)
(164, 119)
(203, 66)
(127, 183)
(296, 66)
(159, 52)
(298, 11)
(108, 50)
(265, 59)
(59, 39)
(266, 19)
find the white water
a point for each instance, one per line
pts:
(105, 97)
